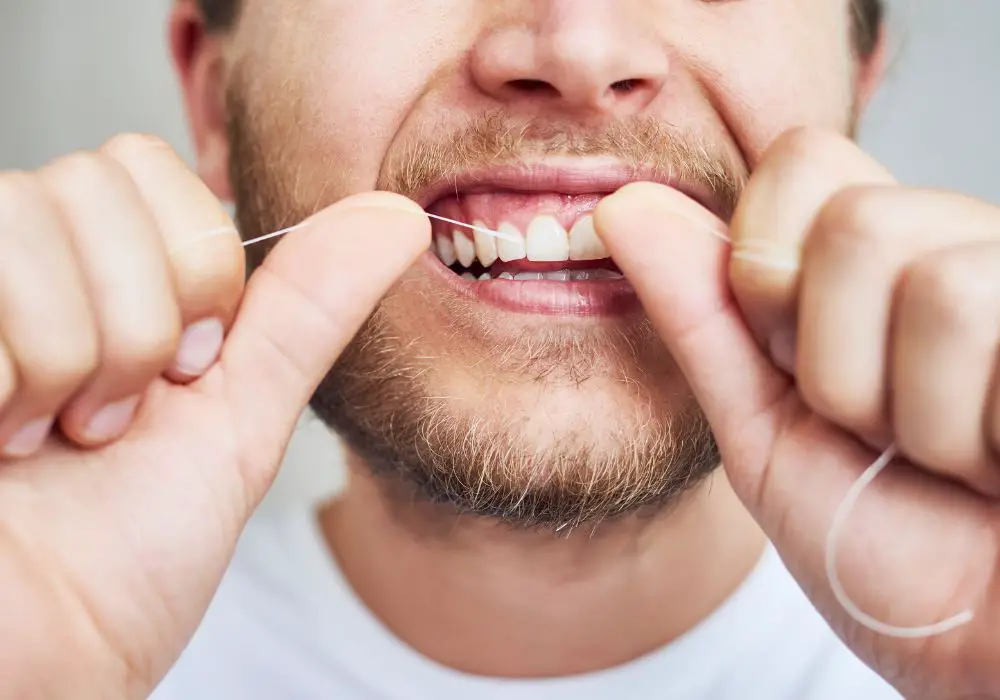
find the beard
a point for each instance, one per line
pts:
(534, 422)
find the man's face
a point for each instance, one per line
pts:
(539, 392)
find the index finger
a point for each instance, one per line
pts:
(799, 173)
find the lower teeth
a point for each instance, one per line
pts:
(555, 276)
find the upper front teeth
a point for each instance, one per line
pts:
(486, 246)
(511, 249)
(464, 249)
(445, 246)
(546, 241)
(584, 243)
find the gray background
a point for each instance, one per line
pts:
(73, 73)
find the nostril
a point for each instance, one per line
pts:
(533, 87)
(624, 86)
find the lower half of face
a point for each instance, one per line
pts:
(519, 378)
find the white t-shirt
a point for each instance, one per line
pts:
(285, 625)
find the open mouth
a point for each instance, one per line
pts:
(551, 260)
(558, 245)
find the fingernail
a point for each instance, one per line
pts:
(199, 348)
(29, 439)
(783, 349)
(767, 254)
(111, 421)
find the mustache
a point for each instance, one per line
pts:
(496, 139)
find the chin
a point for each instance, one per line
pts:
(521, 417)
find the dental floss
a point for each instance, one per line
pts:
(840, 515)
(839, 518)
(260, 239)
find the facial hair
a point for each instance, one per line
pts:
(383, 397)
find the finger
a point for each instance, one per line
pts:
(859, 246)
(48, 339)
(208, 270)
(944, 348)
(679, 272)
(796, 177)
(128, 282)
(304, 305)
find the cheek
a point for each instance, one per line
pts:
(339, 78)
(784, 63)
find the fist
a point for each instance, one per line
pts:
(883, 302)
(849, 314)
(100, 292)
(129, 339)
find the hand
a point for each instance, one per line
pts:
(851, 313)
(114, 536)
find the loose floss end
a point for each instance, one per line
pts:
(840, 515)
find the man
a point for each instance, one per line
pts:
(535, 426)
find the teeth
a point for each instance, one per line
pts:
(528, 276)
(584, 243)
(464, 249)
(557, 275)
(547, 240)
(485, 277)
(468, 276)
(506, 276)
(589, 275)
(510, 250)
(486, 246)
(445, 250)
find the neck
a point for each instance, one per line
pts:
(493, 601)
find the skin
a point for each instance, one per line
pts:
(890, 294)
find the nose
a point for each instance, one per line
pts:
(580, 55)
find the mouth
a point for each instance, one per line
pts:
(554, 262)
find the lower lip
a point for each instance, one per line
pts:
(546, 297)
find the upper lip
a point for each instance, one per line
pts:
(581, 179)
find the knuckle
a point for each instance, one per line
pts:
(858, 220)
(142, 348)
(808, 143)
(950, 288)
(78, 171)
(846, 403)
(213, 277)
(59, 368)
(18, 190)
(129, 146)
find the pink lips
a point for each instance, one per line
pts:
(517, 194)
(545, 297)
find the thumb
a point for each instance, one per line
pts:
(304, 305)
(675, 255)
